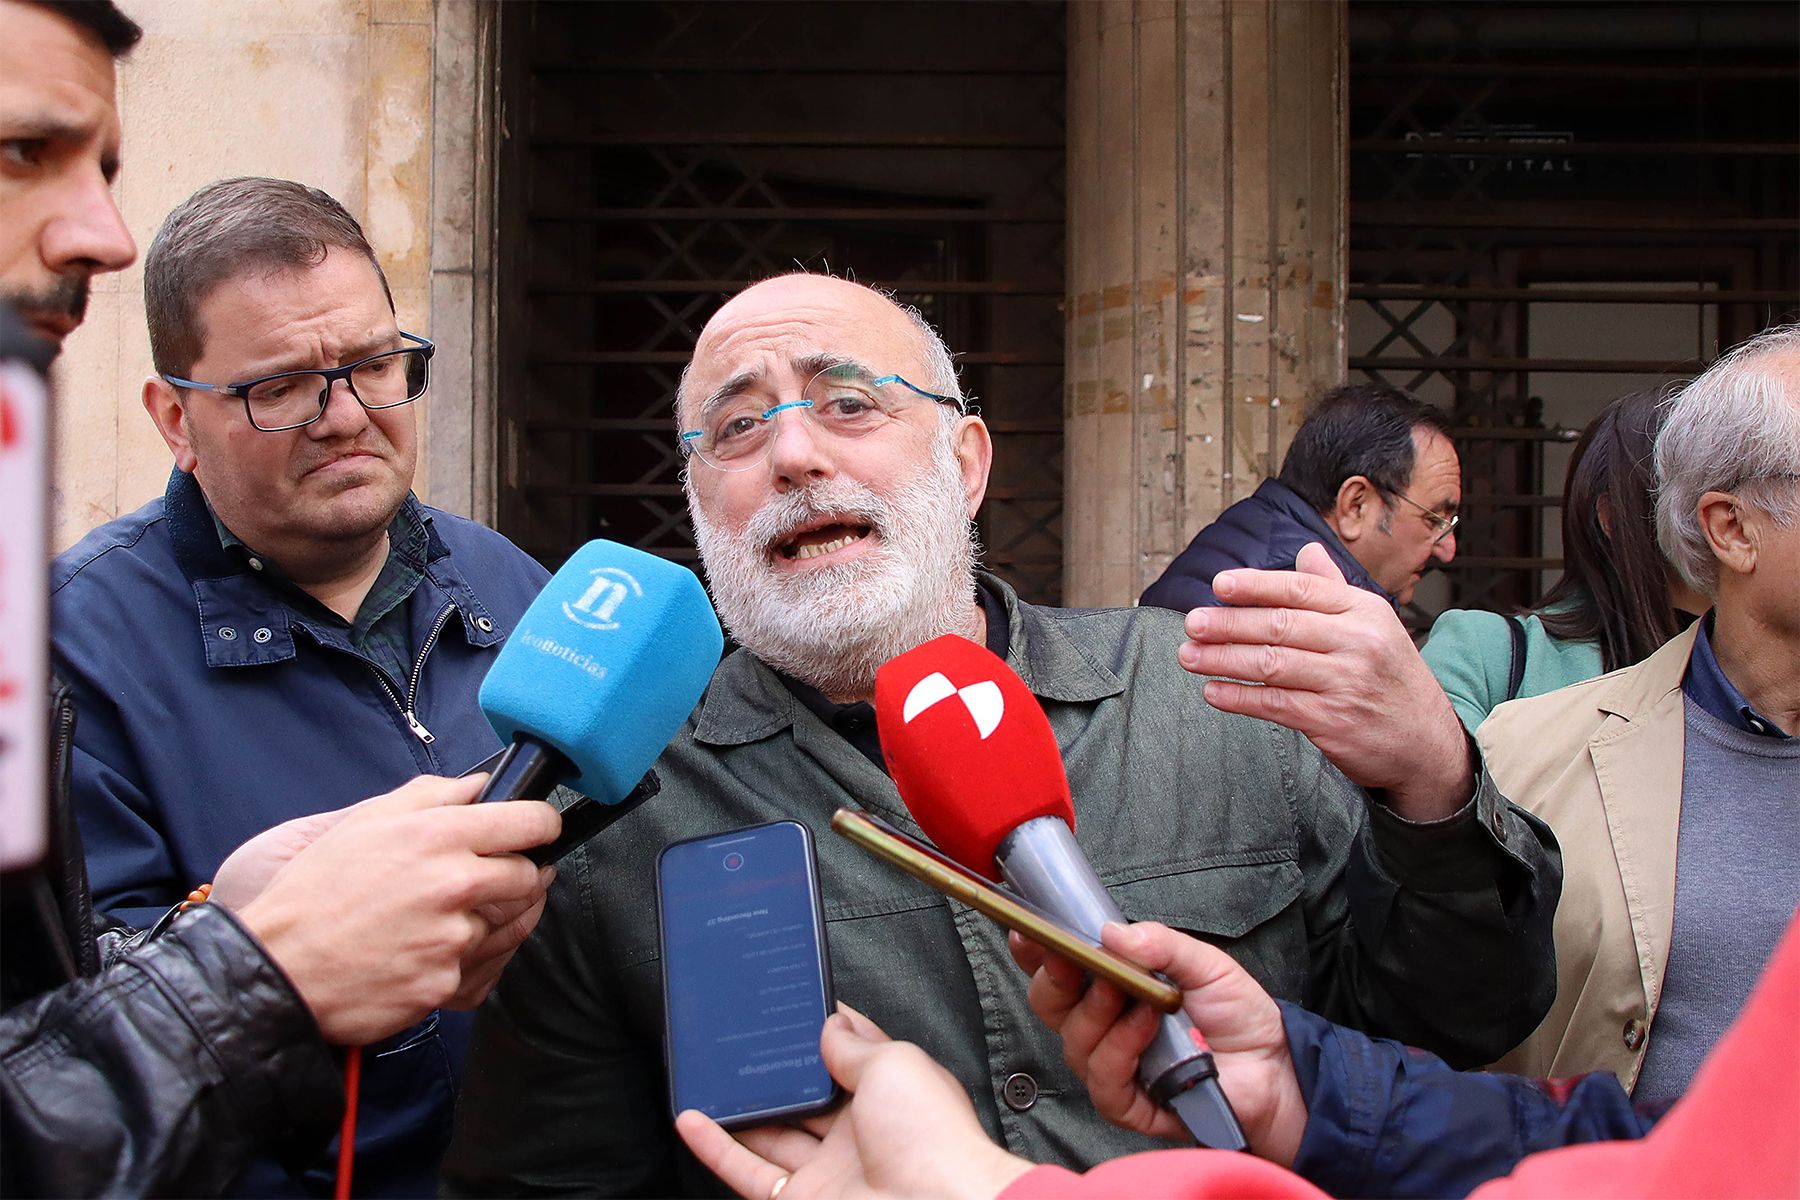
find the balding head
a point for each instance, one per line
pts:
(801, 301)
(830, 484)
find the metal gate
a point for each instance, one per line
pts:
(1551, 204)
(673, 153)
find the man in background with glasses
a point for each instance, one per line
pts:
(833, 471)
(1371, 476)
(286, 630)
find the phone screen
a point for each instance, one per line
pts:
(746, 982)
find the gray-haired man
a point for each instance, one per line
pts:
(1694, 748)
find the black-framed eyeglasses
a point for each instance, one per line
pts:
(290, 399)
(1445, 526)
(846, 400)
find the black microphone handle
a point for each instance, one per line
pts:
(530, 770)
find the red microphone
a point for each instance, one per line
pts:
(969, 748)
(978, 767)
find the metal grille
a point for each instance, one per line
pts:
(675, 153)
(1552, 204)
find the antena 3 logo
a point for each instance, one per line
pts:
(596, 607)
(983, 700)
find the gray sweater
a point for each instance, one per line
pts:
(1737, 881)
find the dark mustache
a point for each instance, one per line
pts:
(67, 297)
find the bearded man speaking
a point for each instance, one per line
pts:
(833, 471)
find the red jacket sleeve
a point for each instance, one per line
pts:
(1170, 1174)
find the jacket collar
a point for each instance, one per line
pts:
(245, 622)
(1631, 693)
(1294, 507)
(746, 701)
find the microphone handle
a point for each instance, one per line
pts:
(530, 770)
(1043, 862)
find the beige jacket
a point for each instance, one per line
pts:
(1601, 762)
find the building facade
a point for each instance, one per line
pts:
(1153, 229)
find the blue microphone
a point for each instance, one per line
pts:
(595, 679)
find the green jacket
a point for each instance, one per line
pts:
(1470, 652)
(1233, 828)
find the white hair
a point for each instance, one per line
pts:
(940, 367)
(1734, 429)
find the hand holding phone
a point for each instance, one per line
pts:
(746, 976)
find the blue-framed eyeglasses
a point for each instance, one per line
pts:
(846, 400)
(290, 399)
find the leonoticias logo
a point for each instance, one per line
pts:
(597, 606)
(569, 654)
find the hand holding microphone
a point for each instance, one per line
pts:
(975, 761)
(1104, 1034)
(380, 920)
(418, 899)
(594, 681)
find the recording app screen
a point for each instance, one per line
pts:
(745, 979)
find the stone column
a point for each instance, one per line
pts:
(1206, 265)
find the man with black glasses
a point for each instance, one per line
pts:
(287, 630)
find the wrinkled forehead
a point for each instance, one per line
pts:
(779, 334)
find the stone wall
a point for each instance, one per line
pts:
(334, 93)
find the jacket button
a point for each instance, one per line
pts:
(1500, 825)
(483, 624)
(255, 563)
(227, 633)
(262, 635)
(1634, 1034)
(1020, 1091)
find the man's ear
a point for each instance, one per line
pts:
(975, 458)
(1356, 510)
(163, 403)
(1731, 530)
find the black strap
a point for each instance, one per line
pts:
(1515, 673)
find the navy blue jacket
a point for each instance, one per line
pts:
(1265, 529)
(1387, 1120)
(212, 710)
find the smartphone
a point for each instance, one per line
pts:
(746, 975)
(953, 879)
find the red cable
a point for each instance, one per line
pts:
(347, 1134)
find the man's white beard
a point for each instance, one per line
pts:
(833, 626)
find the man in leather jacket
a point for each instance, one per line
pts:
(162, 1061)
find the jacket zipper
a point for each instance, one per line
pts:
(412, 684)
(65, 731)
